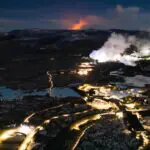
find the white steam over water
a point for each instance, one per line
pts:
(115, 47)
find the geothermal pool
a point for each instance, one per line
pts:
(10, 94)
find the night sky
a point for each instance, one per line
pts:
(63, 14)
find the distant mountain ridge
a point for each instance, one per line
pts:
(46, 41)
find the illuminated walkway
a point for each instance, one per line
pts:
(64, 126)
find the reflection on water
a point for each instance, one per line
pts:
(138, 80)
(63, 92)
(10, 94)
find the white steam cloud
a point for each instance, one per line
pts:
(115, 48)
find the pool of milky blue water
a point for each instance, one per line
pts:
(10, 94)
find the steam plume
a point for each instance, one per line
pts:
(115, 50)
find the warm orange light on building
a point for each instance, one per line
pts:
(79, 25)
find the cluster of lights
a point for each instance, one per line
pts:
(106, 91)
(7, 134)
(145, 138)
(23, 129)
(77, 124)
(84, 72)
(85, 65)
(84, 69)
(29, 138)
(109, 91)
(101, 104)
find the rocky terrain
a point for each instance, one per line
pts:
(110, 106)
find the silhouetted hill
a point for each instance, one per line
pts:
(17, 43)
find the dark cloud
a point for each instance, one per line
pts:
(61, 15)
(7, 21)
(128, 18)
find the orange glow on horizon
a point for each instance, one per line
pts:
(79, 25)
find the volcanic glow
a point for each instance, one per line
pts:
(79, 25)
